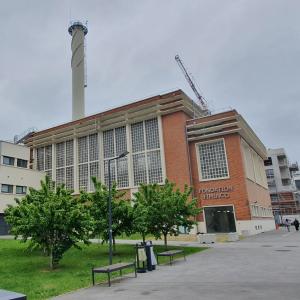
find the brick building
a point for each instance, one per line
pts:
(219, 155)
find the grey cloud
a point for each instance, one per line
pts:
(243, 54)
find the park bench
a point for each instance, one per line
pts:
(171, 254)
(112, 268)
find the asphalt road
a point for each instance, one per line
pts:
(266, 266)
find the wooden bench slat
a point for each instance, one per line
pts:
(113, 267)
(170, 252)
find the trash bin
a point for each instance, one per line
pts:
(141, 258)
(151, 259)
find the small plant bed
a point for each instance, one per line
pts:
(28, 272)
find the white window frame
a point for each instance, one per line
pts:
(199, 164)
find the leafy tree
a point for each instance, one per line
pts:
(170, 209)
(52, 219)
(121, 212)
(143, 201)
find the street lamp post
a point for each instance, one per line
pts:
(109, 204)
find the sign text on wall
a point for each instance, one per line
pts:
(216, 193)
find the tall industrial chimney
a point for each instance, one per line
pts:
(78, 31)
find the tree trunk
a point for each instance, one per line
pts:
(165, 240)
(114, 245)
(51, 259)
(144, 237)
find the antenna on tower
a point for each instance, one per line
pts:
(201, 101)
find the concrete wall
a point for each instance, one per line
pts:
(279, 172)
(13, 175)
(13, 150)
(248, 227)
(17, 176)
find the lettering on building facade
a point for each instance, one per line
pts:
(216, 193)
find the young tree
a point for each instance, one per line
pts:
(143, 200)
(53, 219)
(171, 209)
(121, 212)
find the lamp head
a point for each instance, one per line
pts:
(123, 154)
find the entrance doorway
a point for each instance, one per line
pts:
(219, 219)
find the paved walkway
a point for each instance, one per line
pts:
(266, 266)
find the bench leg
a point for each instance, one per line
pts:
(108, 275)
(135, 270)
(93, 277)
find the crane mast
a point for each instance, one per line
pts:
(201, 100)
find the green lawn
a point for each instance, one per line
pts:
(28, 272)
(134, 236)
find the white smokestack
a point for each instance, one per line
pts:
(77, 30)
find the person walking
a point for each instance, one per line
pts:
(287, 224)
(296, 224)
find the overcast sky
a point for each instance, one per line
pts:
(242, 54)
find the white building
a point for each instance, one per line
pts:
(15, 176)
(280, 182)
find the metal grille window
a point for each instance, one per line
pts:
(69, 153)
(213, 162)
(83, 174)
(146, 155)
(139, 168)
(48, 157)
(40, 152)
(64, 164)
(88, 158)
(114, 144)
(83, 149)
(44, 160)
(60, 155)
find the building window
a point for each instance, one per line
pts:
(268, 162)
(21, 189)
(88, 161)
(274, 197)
(7, 160)
(213, 162)
(114, 144)
(285, 182)
(44, 160)
(7, 188)
(65, 164)
(270, 173)
(146, 153)
(22, 163)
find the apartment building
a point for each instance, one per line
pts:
(15, 177)
(167, 136)
(281, 184)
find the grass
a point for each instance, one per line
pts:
(134, 236)
(28, 272)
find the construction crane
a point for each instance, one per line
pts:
(201, 100)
